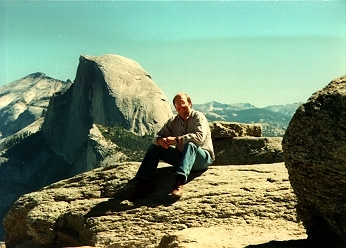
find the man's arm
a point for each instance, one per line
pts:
(198, 130)
(163, 137)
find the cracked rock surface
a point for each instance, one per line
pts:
(226, 206)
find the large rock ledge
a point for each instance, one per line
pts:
(238, 144)
(241, 205)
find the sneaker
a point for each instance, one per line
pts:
(178, 190)
(143, 189)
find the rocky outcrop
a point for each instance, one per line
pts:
(314, 152)
(26, 100)
(26, 167)
(239, 143)
(226, 130)
(240, 205)
(108, 90)
(44, 164)
(248, 150)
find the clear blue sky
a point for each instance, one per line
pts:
(261, 52)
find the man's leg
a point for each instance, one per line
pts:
(203, 160)
(151, 160)
(194, 158)
(146, 171)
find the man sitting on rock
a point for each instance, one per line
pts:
(184, 142)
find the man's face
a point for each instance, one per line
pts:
(182, 106)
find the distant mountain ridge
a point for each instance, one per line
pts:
(214, 106)
(287, 109)
(274, 119)
(24, 101)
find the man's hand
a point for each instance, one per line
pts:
(166, 142)
(163, 142)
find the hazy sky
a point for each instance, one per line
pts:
(261, 52)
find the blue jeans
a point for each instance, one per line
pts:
(193, 158)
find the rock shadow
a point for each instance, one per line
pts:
(119, 201)
(297, 243)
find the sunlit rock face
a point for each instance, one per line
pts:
(107, 90)
(315, 155)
